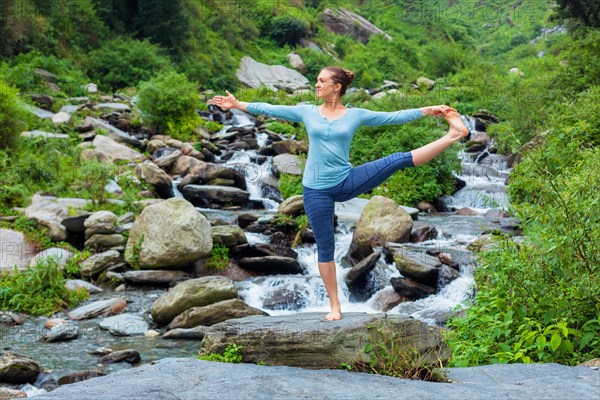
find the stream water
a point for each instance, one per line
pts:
(485, 179)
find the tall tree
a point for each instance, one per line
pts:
(586, 11)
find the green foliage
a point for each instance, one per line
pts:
(96, 176)
(290, 185)
(585, 11)
(169, 103)
(219, 258)
(286, 29)
(72, 266)
(123, 62)
(39, 290)
(232, 354)
(390, 353)
(11, 116)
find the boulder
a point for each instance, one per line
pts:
(418, 266)
(192, 293)
(17, 369)
(61, 333)
(272, 265)
(382, 221)
(293, 206)
(74, 284)
(16, 251)
(213, 314)
(100, 222)
(114, 133)
(344, 22)
(290, 147)
(386, 299)
(152, 174)
(100, 307)
(95, 264)
(203, 195)
(360, 248)
(228, 235)
(423, 232)
(307, 340)
(410, 289)
(171, 233)
(49, 212)
(154, 277)
(116, 151)
(124, 325)
(254, 74)
(195, 333)
(130, 356)
(288, 164)
(101, 242)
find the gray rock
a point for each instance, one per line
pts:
(113, 132)
(100, 307)
(345, 22)
(99, 241)
(112, 107)
(168, 160)
(307, 340)
(289, 147)
(100, 222)
(360, 270)
(97, 263)
(152, 174)
(49, 212)
(74, 284)
(160, 277)
(62, 333)
(61, 118)
(195, 333)
(171, 233)
(116, 151)
(214, 313)
(124, 325)
(410, 289)
(17, 368)
(382, 221)
(163, 379)
(293, 206)
(39, 112)
(272, 265)
(422, 232)
(207, 194)
(192, 293)
(288, 164)
(47, 135)
(228, 235)
(129, 356)
(254, 74)
(79, 376)
(16, 250)
(418, 266)
(386, 299)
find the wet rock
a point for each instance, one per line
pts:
(192, 293)
(446, 258)
(195, 333)
(426, 207)
(290, 147)
(17, 368)
(245, 219)
(94, 265)
(51, 323)
(495, 214)
(262, 250)
(228, 235)
(481, 243)
(357, 276)
(62, 333)
(306, 340)
(202, 195)
(360, 248)
(293, 206)
(466, 211)
(410, 289)
(171, 233)
(382, 221)
(417, 265)
(167, 160)
(74, 284)
(185, 165)
(214, 313)
(154, 277)
(79, 376)
(124, 325)
(386, 299)
(7, 393)
(423, 232)
(285, 298)
(272, 265)
(97, 308)
(129, 356)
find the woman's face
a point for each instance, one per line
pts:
(325, 87)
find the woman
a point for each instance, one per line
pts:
(328, 175)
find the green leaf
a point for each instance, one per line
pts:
(586, 339)
(555, 341)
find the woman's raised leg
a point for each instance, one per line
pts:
(457, 131)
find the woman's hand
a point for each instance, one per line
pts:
(437, 111)
(224, 102)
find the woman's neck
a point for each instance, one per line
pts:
(333, 105)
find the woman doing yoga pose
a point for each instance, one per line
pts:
(328, 175)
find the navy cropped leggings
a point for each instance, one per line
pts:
(319, 203)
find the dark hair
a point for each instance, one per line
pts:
(341, 75)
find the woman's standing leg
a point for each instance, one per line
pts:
(319, 207)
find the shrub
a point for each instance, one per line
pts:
(11, 116)
(126, 62)
(290, 185)
(219, 258)
(39, 290)
(286, 29)
(168, 102)
(232, 354)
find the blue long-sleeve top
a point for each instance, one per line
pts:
(329, 141)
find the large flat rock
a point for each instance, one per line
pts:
(187, 378)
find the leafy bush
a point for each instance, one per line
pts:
(11, 116)
(232, 354)
(286, 29)
(219, 258)
(169, 102)
(290, 185)
(39, 290)
(126, 62)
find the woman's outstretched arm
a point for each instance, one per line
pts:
(290, 113)
(377, 118)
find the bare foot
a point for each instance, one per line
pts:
(333, 315)
(458, 130)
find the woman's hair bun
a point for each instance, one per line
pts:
(349, 75)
